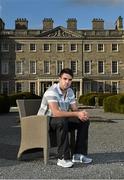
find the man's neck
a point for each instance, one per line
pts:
(64, 91)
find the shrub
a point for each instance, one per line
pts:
(114, 104)
(22, 95)
(89, 99)
(4, 104)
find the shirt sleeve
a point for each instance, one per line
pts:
(51, 96)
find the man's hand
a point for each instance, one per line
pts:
(83, 115)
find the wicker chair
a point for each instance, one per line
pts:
(35, 132)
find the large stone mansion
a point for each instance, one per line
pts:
(31, 59)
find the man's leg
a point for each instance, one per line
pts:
(81, 147)
(82, 138)
(82, 127)
(61, 127)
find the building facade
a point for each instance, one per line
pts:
(31, 59)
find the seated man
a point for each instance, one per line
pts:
(56, 102)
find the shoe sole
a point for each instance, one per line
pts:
(77, 161)
(64, 166)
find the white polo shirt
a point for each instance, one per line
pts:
(54, 94)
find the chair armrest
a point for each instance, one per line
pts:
(35, 120)
(36, 117)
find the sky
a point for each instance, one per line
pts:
(60, 10)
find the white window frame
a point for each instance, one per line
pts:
(75, 49)
(98, 85)
(111, 67)
(21, 83)
(21, 67)
(60, 45)
(76, 63)
(58, 66)
(2, 87)
(30, 86)
(89, 67)
(116, 49)
(34, 45)
(98, 67)
(4, 47)
(89, 49)
(49, 47)
(117, 86)
(4, 67)
(47, 61)
(18, 50)
(30, 68)
(102, 50)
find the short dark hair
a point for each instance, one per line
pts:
(66, 71)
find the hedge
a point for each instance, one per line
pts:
(4, 104)
(114, 104)
(89, 99)
(22, 95)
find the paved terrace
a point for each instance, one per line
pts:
(106, 147)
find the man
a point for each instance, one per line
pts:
(56, 102)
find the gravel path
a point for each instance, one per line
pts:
(106, 147)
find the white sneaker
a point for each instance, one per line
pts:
(81, 158)
(64, 163)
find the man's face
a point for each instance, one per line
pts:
(65, 81)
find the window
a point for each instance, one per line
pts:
(100, 47)
(74, 66)
(19, 47)
(32, 87)
(100, 87)
(73, 47)
(45, 86)
(114, 87)
(87, 87)
(87, 67)
(87, 47)
(46, 47)
(4, 67)
(33, 47)
(5, 47)
(4, 87)
(101, 67)
(46, 67)
(115, 47)
(107, 87)
(60, 47)
(18, 87)
(114, 67)
(19, 67)
(32, 67)
(59, 66)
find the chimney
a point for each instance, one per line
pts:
(21, 23)
(47, 24)
(119, 23)
(98, 24)
(72, 24)
(2, 24)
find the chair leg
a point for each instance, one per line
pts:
(46, 155)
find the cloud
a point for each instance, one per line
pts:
(97, 2)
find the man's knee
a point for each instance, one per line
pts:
(85, 123)
(62, 123)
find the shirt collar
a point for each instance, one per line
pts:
(59, 90)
